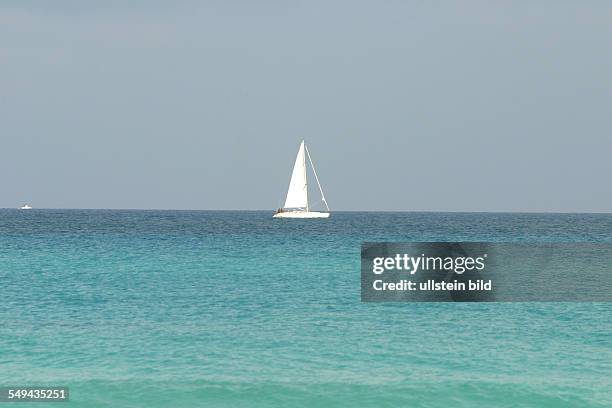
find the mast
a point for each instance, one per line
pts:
(316, 178)
(305, 178)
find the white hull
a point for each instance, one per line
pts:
(301, 214)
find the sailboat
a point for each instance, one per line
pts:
(296, 204)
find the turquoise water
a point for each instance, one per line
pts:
(234, 309)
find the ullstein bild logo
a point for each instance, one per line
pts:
(485, 272)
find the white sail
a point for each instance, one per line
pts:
(297, 196)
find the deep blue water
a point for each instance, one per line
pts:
(231, 309)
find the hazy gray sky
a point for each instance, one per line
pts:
(405, 105)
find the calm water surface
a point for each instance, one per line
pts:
(234, 309)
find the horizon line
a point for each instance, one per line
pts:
(355, 211)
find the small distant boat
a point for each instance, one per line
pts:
(25, 207)
(296, 204)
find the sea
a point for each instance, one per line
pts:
(179, 309)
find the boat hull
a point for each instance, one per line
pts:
(301, 214)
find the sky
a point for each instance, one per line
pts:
(404, 105)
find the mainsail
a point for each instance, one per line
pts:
(297, 196)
